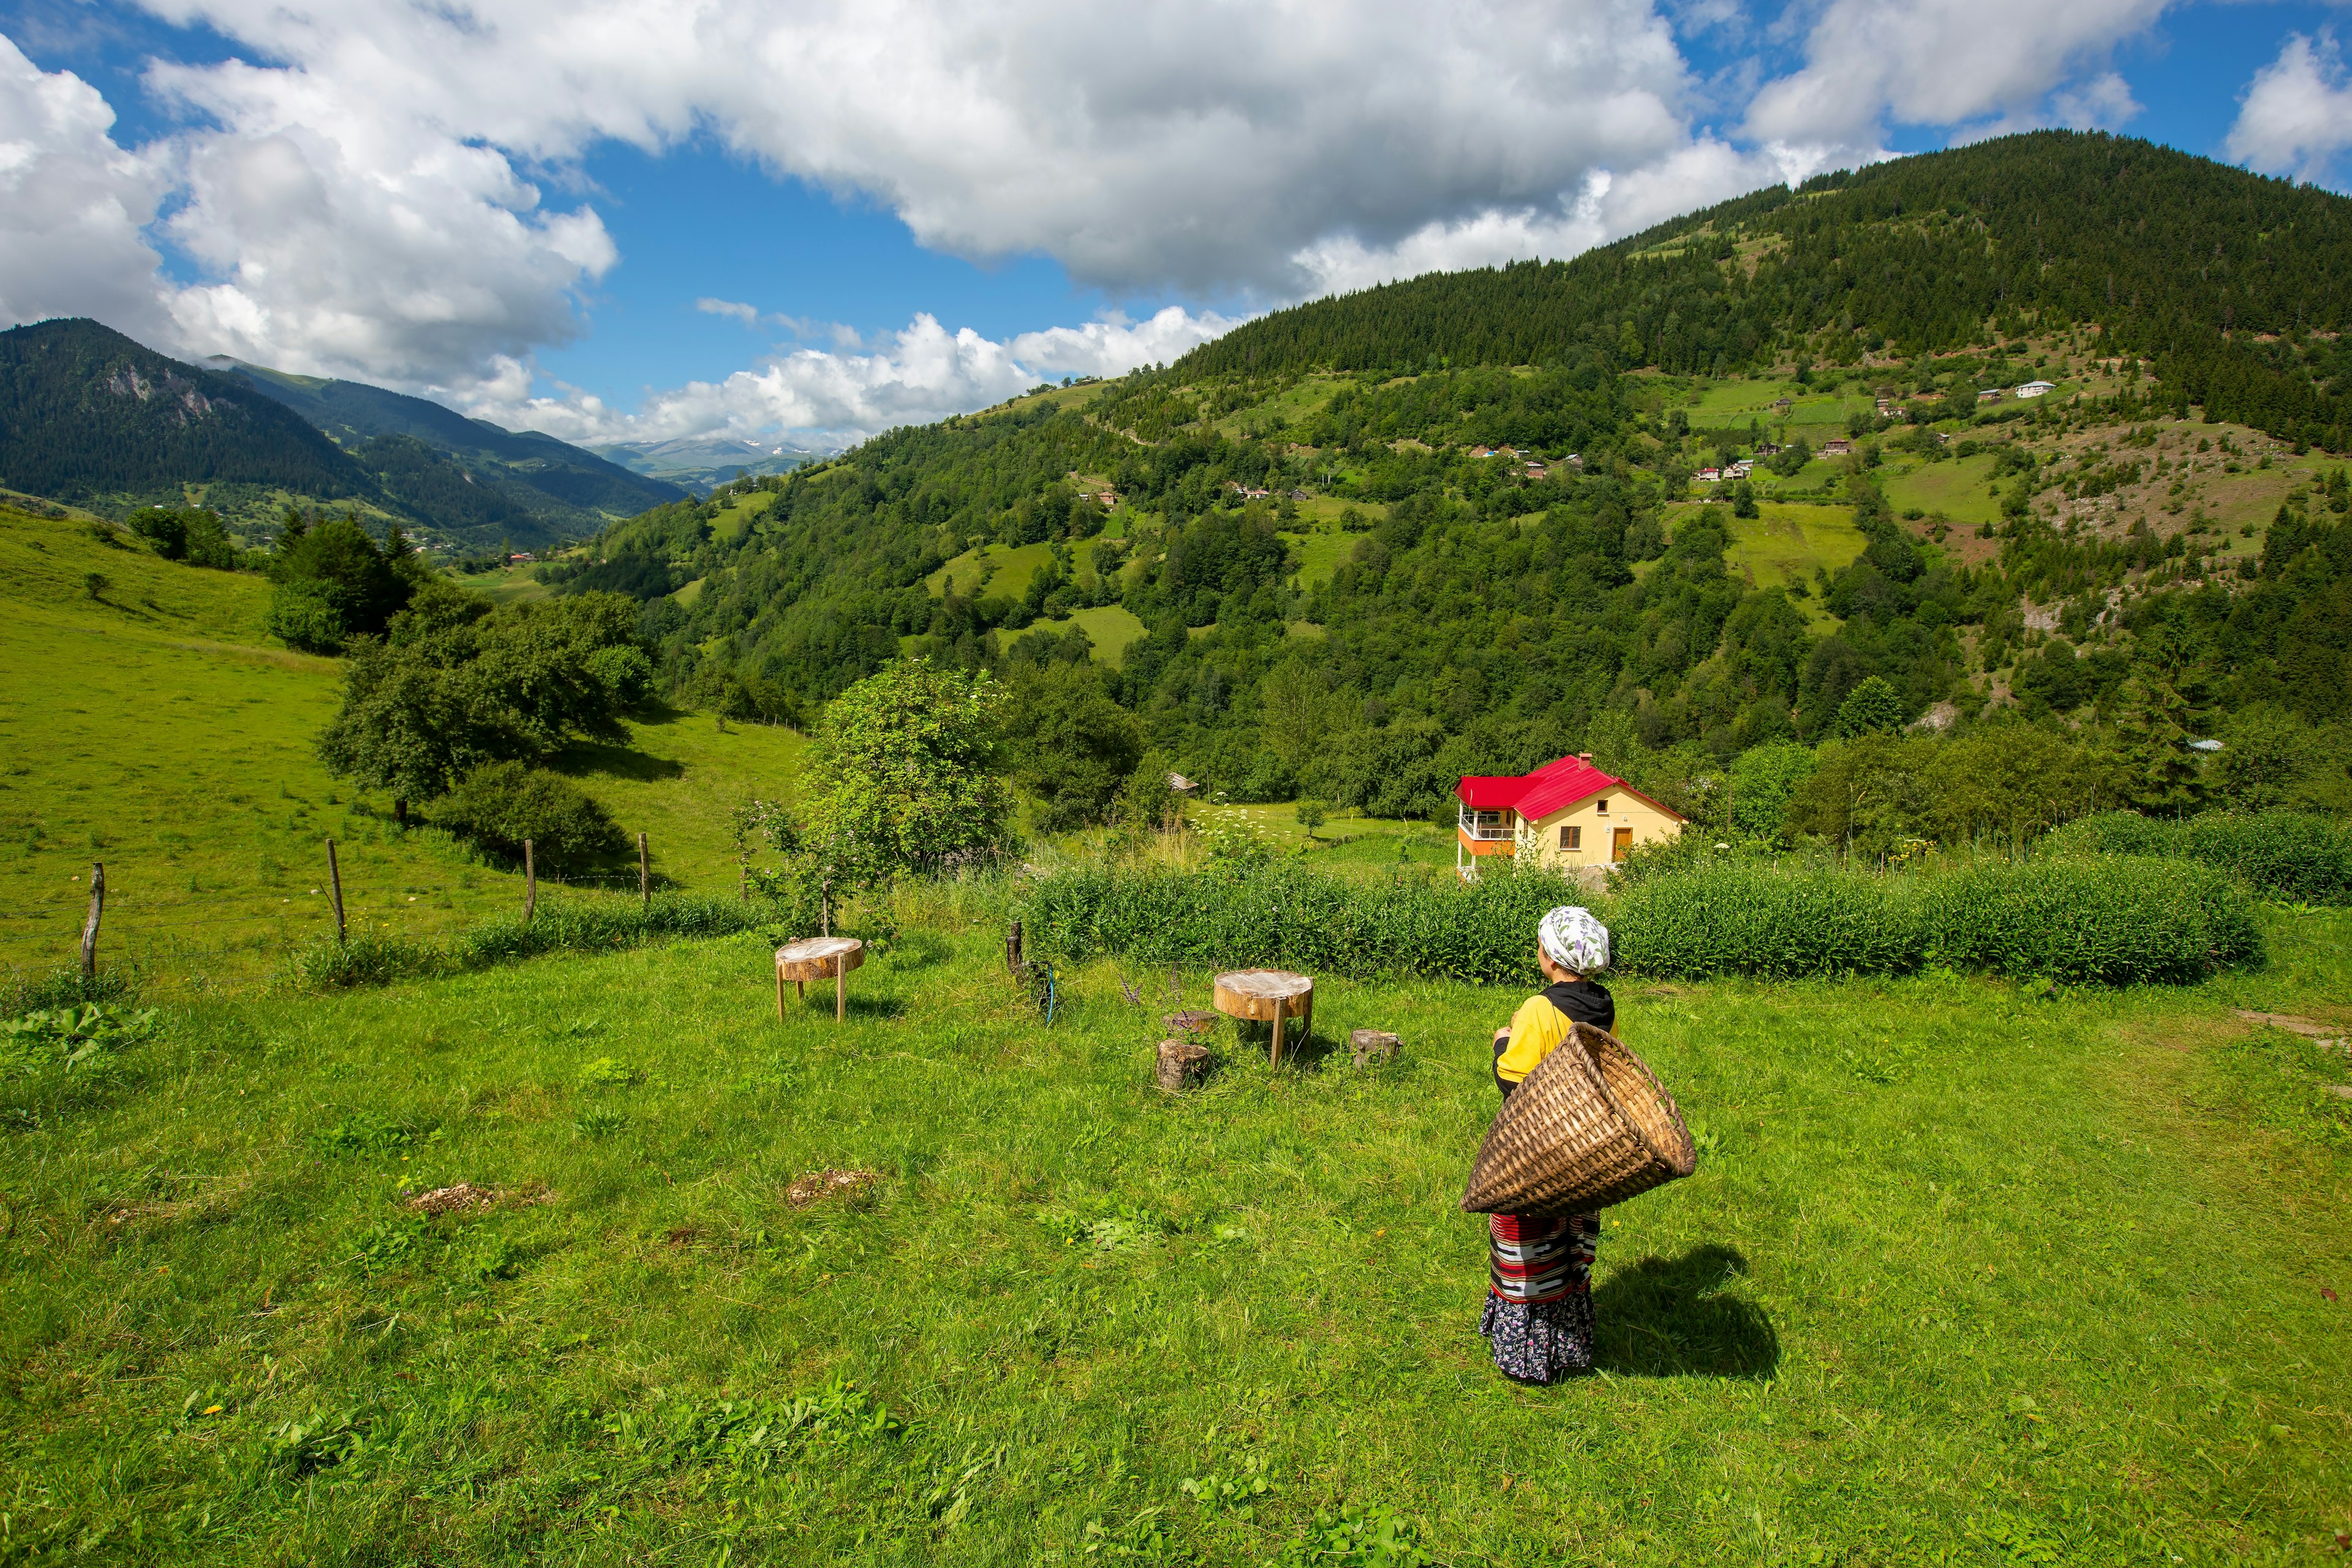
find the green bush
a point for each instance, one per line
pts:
(560, 925)
(1234, 914)
(499, 806)
(2108, 920)
(625, 674)
(1775, 924)
(301, 617)
(2281, 854)
(2112, 921)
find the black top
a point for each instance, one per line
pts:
(1580, 1002)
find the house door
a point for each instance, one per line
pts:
(1621, 843)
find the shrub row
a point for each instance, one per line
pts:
(2112, 921)
(575, 924)
(2282, 854)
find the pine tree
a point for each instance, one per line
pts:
(2160, 777)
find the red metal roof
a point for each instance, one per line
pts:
(1549, 788)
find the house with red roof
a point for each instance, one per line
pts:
(1566, 815)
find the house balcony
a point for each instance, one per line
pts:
(1486, 832)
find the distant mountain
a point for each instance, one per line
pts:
(86, 416)
(702, 462)
(576, 490)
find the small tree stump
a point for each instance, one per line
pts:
(1268, 995)
(1371, 1046)
(1192, 1024)
(1181, 1064)
(819, 958)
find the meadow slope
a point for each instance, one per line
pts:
(152, 726)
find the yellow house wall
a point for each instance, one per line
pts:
(1650, 825)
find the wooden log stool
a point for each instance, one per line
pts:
(1371, 1047)
(819, 958)
(1266, 996)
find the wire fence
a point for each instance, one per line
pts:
(234, 930)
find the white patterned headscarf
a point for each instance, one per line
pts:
(1574, 939)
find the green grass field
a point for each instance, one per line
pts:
(991, 569)
(507, 584)
(1959, 490)
(151, 729)
(1963, 1278)
(1319, 553)
(1785, 542)
(1723, 403)
(1111, 627)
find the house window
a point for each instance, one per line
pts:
(1571, 838)
(1602, 806)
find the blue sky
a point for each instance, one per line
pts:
(636, 218)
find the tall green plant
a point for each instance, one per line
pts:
(906, 774)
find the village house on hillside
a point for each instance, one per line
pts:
(1837, 446)
(2036, 389)
(1567, 815)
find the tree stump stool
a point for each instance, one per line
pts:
(818, 958)
(1371, 1046)
(1181, 1063)
(1266, 996)
(1192, 1024)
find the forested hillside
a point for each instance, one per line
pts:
(1761, 476)
(92, 418)
(2231, 284)
(89, 416)
(548, 481)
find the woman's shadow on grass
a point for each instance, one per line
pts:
(1679, 1317)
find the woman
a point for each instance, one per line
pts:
(1538, 1313)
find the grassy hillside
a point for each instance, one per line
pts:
(1927, 1298)
(152, 729)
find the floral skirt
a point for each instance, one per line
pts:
(1538, 1313)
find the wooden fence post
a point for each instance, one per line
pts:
(645, 881)
(90, 926)
(335, 885)
(1012, 951)
(529, 883)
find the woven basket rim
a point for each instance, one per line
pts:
(1682, 1161)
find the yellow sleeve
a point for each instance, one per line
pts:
(1536, 1029)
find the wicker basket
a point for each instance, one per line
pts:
(1589, 1127)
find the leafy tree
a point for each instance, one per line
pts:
(1077, 747)
(1310, 813)
(1870, 708)
(904, 774)
(192, 534)
(1762, 783)
(334, 562)
(408, 726)
(456, 683)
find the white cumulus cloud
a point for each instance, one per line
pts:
(913, 376)
(74, 207)
(2296, 114)
(1948, 63)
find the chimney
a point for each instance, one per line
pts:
(1584, 757)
